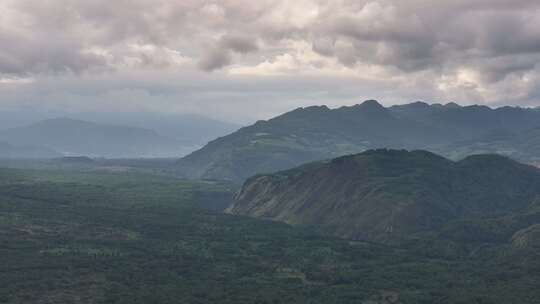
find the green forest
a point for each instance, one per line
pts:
(76, 236)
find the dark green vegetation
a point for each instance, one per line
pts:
(155, 166)
(90, 237)
(395, 195)
(315, 133)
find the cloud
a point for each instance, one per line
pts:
(215, 59)
(239, 44)
(470, 51)
(221, 54)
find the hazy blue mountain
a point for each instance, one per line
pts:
(388, 195)
(314, 133)
(77, 137)
(191, 130)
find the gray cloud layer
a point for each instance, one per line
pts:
(221, 55)
(482, 51)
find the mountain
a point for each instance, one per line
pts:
(191, 130)
(8, 151)
(77, 137)
(523, 146)
(317, 132)
(470, 121)
(393, 195)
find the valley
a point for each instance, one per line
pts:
(296, 209)
(269, 152)
(86, 237)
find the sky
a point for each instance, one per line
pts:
(242, 60)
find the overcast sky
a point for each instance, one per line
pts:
(244, 60)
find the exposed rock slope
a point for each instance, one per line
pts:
(385, 195)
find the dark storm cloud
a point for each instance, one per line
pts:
(221, 54)
(215, 59)
(410, 35)
(415, 35)
(239, 44)
(30, 55)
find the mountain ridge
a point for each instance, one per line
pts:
(78, 137)
(387, 195)
(318, 132)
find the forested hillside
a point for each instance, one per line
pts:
(395, 195)
(90, 237)
(315, 133)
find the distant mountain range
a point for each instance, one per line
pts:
(396, 195)
(186, 132)
(189, 129)
(64, 136)
(315, 133)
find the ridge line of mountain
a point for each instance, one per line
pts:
(318, 132)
